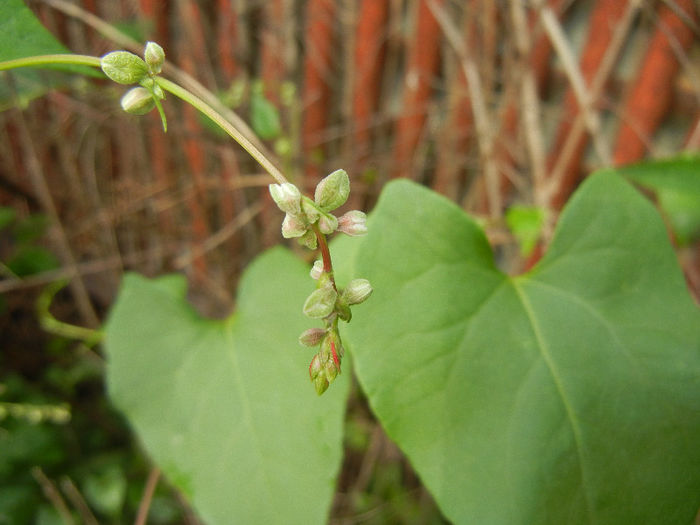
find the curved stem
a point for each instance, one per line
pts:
(167, 85)
(224, 124)
(49, 60)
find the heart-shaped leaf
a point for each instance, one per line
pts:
(566, 395)
(225, 408)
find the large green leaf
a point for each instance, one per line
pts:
(226, 407)
(676, 182)
(567, 395)
(24, 36)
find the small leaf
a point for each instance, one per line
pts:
(526, 224)
(264, 116)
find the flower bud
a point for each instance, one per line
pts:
(138, 101)
(321, 384)
(353, 223)
(327, 223)
(320, 303)
(317, 269)
(312, 336)
(332, 191)
(309, 210)
(124, 67)
(287, 196)
(155, 56)
(309, 240)
(315, 367)
(357, 291)
(292, 227)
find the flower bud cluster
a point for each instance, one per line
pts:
(124, 67)
(302, 213)
(309, 221)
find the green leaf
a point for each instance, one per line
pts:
(226, 408)
(566, 395)
(676, 182)
(264, 116)
(526, 224)
(7, 216)
(24, 36)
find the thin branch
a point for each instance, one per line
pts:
(53, 495)
(147, 497)
(573, 72)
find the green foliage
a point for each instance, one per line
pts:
(19, 26)
(676, 182)
(24, 255)
(566, 395)
(264, 116)
(224, 407)
(526, 224)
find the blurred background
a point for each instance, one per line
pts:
(501, 106)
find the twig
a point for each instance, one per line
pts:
(53, 495)
(578, 127)
(73, 494)
(532, 128)
(481, 116)
(149, 489)
(44, 196)
(573, 72)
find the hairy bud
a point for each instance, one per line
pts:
(124, 67)
(357, 291)
(353, 223)
(138, 101)
(317, 269)
(154, 56)
(332, 191)
(320, 303)
(287, 196)
(312, 336)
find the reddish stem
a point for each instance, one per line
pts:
(325, 252)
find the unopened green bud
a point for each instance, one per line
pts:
(309, 240)
(310, 210)
(312, 336)
(353, 223)
(332, 191)
(320, 303)
(287, 196)
(293, 227)
(357, 291)
(343, 309)
(321, 384)
(327, 223)
(154, 56)
(124, 67)
(138, 101)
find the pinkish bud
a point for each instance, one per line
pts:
(353, 223)
(292, 227)
(327, 223)
(312, 336)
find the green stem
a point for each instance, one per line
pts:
(224, 124)
(167, 85)
(49, 60)
(52, 325)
